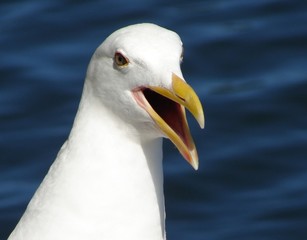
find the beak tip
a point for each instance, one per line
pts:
(194, 159)
(195, 167)
(202, 125)
(201, 120)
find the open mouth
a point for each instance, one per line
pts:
(170, 111)
(166, 107)
(169, 117)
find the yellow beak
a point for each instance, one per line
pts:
(171, 118)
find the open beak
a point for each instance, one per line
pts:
(167, 108)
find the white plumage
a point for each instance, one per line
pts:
(107, 181)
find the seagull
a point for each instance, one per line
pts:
(106, 182)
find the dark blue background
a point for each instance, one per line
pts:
(247, 60)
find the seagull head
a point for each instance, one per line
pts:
(138, 68)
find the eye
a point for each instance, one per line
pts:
(120, 60)
(181, 56)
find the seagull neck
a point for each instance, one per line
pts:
(115, 174)
(102, 184)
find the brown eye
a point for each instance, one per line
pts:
(120, 60)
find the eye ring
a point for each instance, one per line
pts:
(120, 60)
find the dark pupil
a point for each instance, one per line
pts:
(120, 59)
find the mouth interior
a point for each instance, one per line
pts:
(169, 111)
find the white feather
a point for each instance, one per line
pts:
(107, 180)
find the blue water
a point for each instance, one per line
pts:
(247, 60)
